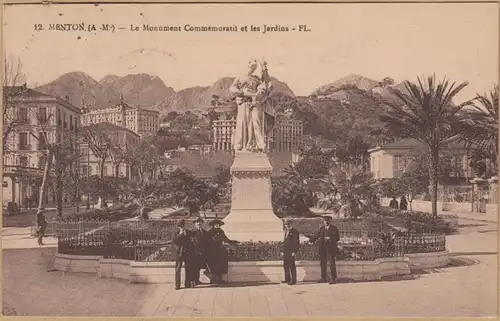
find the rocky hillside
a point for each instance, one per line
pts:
(141, 89)
(80, 87)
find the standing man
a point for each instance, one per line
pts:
(403, 203)
(41, 225)
(394, 203)
(291, 245)
(184, 252)
(327, 237)
(201, 242)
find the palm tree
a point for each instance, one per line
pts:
(348, 187)
(480, 127)
(426, 112)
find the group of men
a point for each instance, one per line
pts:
(327, 239)
(403, 203)
(198, 249)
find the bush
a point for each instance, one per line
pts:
(422, 222)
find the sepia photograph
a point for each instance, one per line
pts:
(250, 160)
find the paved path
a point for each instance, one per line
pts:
(466, 289)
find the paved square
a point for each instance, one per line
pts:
(468, 289)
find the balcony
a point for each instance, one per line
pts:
(17, 170)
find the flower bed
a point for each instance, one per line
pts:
(422, 222)
(348, 227)
(148, 241)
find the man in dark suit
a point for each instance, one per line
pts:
(327, 237)
(201, 242)
(41, 223)
(291, 245)
(184, 253)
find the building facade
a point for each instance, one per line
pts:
(393, 159)
(286, 136)
(141, 121)
(37, 120)
(122, 139)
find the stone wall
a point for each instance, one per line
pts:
(253, 271)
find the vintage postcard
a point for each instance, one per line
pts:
(250, 160)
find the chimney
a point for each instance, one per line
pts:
(66, 98)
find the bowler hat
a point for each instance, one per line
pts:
(199, 219)
(216, 221)
(181, 223)
(327, 218)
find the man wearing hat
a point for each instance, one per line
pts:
(327, 237)
(291, 245)
(218, 261)
(201, 241)
(184, 253)
(41, 223)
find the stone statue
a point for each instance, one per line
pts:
(254, 114)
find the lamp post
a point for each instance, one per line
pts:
(88, 177)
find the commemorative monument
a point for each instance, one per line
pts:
(251, 216)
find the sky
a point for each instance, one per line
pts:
(402, 41)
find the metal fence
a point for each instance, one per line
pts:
(149, 241)
(55, 228)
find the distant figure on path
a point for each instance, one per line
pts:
(403, 203)
(327, 237)
(393, 203)
(41, 226)
(291, 245)
(201, 241)
(184, 254)
(218, 261)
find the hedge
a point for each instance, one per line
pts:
(420, 222)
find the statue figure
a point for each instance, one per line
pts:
(253, 114)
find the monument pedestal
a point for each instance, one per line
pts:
(251, 217)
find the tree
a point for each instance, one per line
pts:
(426, 112)
(410, 184)
(143, 194)
(145, 167)
(294, 193)
(191, 192)
(13, 77)
(67, 178)
(348, 188)
(100, 143)
(480, 127)
(353, 151)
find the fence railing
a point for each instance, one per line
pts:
(55, 228)
(149, 241)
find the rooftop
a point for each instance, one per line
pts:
(112, 127)
(407, 143)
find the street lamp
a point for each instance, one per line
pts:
(88, 177)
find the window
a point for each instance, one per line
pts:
(399, 165)
(71, 122)
(23, 115)
(59, 121)
(105, 170)
(83, 170)
(42, 143)
(23, 161)
(42, 115)
(23, 141)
